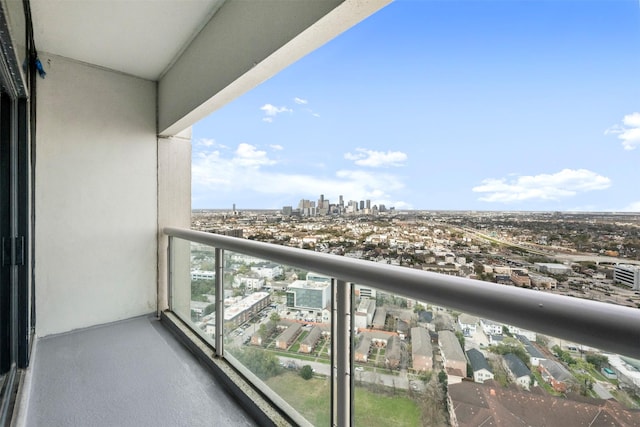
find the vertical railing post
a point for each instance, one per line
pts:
(170, 258)
(219, 285)
(342, 358)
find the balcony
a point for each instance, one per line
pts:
(96, 164)
(129, 373)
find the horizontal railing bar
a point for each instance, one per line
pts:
(601, 325)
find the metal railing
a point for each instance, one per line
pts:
(600, 325)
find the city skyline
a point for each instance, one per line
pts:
(442, 106)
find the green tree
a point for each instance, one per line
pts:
(209, 309)
(274, 317)
(460, 337)
(598, 361)
(262, 331)
(264, 364)
(306, 372)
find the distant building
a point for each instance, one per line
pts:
(421, 349)
(628, 275)
(365, 292)
(244, 309)
(553, 268)
(479, 365)
(317, 277)
(517, 370)
(249, 281)
(303, 294)
(490, 327)
(364, 313)
(232, 232)
(543, 282)
(203, 275)
(521, 279)
(268, 270)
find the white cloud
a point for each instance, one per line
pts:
(633, 207)
(628, 132)
(267, 119)
(246, 170)
(300, 101)
(272, 110)
(560, 185)
(248, 155)
(276, 147)
(364, 157)
(205, 142)
(208, 143)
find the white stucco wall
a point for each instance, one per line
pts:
(96, 197)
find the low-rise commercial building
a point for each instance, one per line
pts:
(628, 275)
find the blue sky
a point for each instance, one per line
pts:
(451, 105)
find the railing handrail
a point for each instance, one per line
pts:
(601, 325)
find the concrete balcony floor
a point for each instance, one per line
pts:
(128, 373)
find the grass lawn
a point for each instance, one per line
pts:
(311, 399)
(379, 409)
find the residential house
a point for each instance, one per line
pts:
(421, 349)
(393, 352)
(363, 349)
(287, 338)
(455, 362)
(556, 375)
(479, 365)
(535, 355)
(490, 327)
(310, 341)
(517, 370)
(380, 318)
(468, 324)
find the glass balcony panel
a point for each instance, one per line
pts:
(277, 325)
(193, 286)
(414, 362)
(388, 384)
(425, 364)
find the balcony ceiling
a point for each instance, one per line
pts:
(138, 37)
